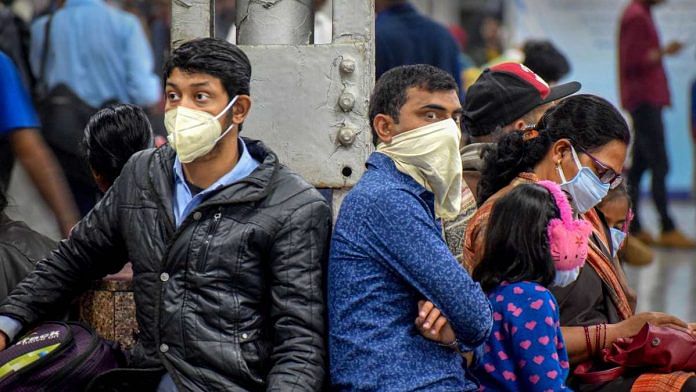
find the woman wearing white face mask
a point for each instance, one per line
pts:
(581, 145)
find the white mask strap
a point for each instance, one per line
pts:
(577, 163)
(229, 105)
(575, 158)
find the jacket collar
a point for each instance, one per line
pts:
(254, 187)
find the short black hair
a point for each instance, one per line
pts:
(113, 135)
(215, 57)
(545, 60)
(390, 93)
(517, 246)
(588, 121)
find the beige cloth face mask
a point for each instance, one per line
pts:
(194, 133)
(430, 155)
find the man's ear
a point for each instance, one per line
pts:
(519, 125)
(241, 108)
(384, 126)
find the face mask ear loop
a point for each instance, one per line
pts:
(575, 158)
(224, 133)
(229, 105)
(559, 168)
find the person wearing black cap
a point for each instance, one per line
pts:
(506, 97)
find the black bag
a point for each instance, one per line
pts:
(63, 116)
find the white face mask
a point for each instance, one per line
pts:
(194, 133)
(564, 278)
(430, 155)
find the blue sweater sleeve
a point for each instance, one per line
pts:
(409, 240)
(532, 317)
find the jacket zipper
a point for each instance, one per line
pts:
(203, 254)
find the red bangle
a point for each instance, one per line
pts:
(604, 345)
(588, 342)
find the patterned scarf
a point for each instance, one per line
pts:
(610, 273)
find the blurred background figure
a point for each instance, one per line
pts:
(120, 69)
(404, 36)
(542, 57)
(492, 41)
(644, 93)
(20, 137)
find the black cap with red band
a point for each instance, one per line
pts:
(505, 92)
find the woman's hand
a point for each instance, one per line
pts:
(631, 326)
(433, 325)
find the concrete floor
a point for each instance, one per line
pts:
(669, 283)
(671, 276)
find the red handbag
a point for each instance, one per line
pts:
(654, 349)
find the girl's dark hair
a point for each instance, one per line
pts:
(517, 247)
(113, 135)
(588, 121)
(620, 192)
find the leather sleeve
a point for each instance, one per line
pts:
(298, 255)
(93, 249)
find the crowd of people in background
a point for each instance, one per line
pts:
(482, 249)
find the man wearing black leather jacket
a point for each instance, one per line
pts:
(226, 244)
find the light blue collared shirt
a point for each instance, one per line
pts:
(99, 51)
(185, 202)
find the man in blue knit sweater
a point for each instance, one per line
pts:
(388, 253)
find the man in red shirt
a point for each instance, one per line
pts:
(644, 92)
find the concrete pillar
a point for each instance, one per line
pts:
(192, 19)
(274, 22)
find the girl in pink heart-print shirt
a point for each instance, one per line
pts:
(525, 351)
(533, 242)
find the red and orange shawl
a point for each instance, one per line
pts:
(610, 272)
